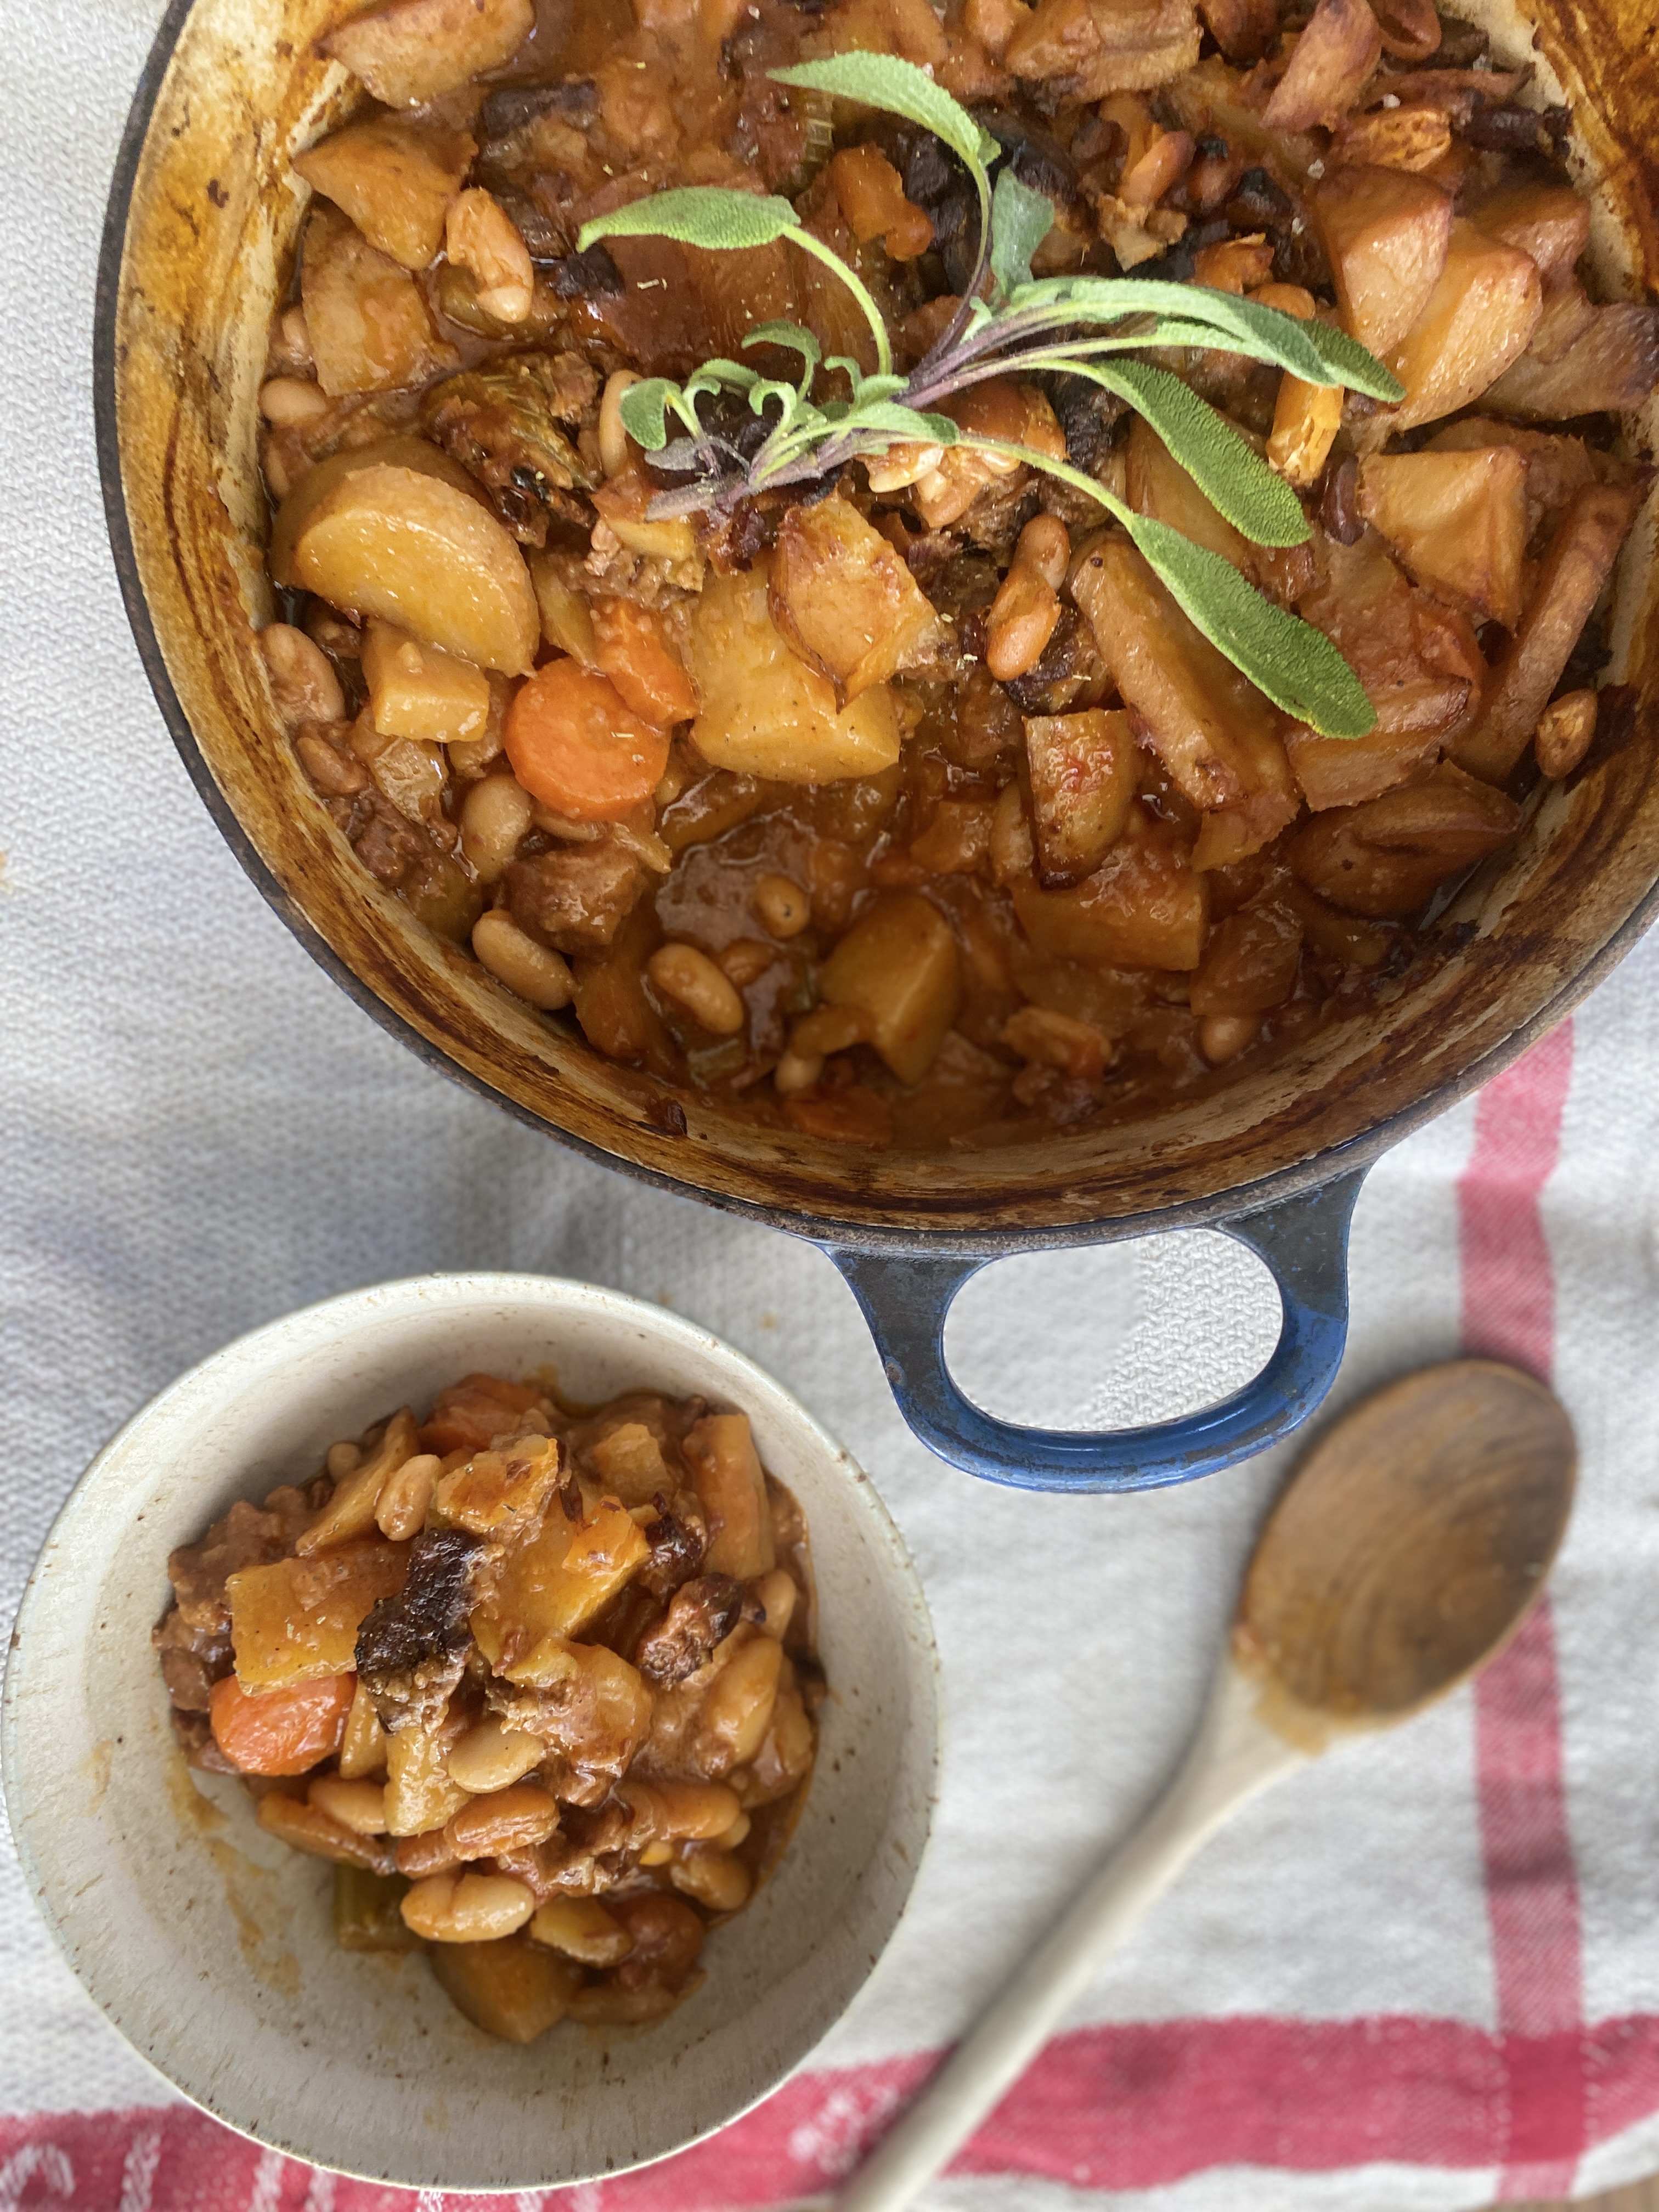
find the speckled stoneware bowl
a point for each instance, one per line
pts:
(209, 1944)
(203, 223)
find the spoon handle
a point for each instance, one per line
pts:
(1233, 1756)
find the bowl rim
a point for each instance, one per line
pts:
(901, 1581)
(845, 1233)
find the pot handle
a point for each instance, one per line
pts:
(906, 1297)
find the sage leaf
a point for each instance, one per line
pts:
(899, 87)
(1296, 665)
(1021, 218)
(1352, 366)
(642, 410)
(719, 375)
(713, 217)
(907, 422)
(795, 336)
(1235, 481)
(1062, 299)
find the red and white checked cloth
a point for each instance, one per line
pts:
(1422, 1974)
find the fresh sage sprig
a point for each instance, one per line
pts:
(1008, 323)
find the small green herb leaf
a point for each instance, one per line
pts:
(642, 409)
(1236, 480)
(1296, 665)
(898, 87)
(1352, 366)
(907, 422)
(709, 216)
(1021, 218)
(1059, 300)
(720, 375)
(795, 336)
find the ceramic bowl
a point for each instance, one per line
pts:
(209, 1945)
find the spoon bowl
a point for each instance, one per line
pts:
(1407, 1547)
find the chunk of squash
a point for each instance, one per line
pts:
(1386, 234)
(898, 966)
(414, 49)
(409, 548)
(394, 179)
(298, 1619)
(1457, 521)
(553, 1584)
(1082, 770)
(1144, 906)
(844, 598)
(369, 328)
(762, 711)
(1479, 317)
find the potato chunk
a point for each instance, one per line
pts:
(1213, 731)
(1549, 222)
(763, 711)
(1458, 522)
(413, 50)
(1083, 779)
(412, 549)
(843, 598)
(731, 1486)
(1611, 363)
(897, 965)
(417, 690)
(1479, 317)
(314, 486)
(394, 179)
(1385, 232)
(1143, 907)
(298, 1618)
(1384, 858)
(511, 1988)
(549, 1587)
(369, 328)
(1571, 579)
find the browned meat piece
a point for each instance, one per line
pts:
(575, 897)
(195, 1740)
(702, 1614)
(678, 1542)
(1069, 675)
(247, 1536)
(502, 424)
(412, 1648)
(192, 1661)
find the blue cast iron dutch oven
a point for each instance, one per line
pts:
(201, 229)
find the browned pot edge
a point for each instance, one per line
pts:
(852, 1231)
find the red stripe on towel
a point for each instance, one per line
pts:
(1532, 1883)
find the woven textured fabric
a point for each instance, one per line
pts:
(1421, 1974)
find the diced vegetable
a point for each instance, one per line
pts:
(567, 623)
(574, 745)
(1330, 62)
(1386, 234)
(1612, 363)
(1549, 222)
(496, 1488)
(1213, 731)
(511, 1988)
(411, 774)
(763, 711)
(634, 647)
(419, 691)
(410, 547)
(1096, 49)
(298, 1619)
(1458, 522)
(1250, 963)
(307, 1827)
(420, 1794)
(596, 1708)
(1143, 907)
(394, 179)
(871, 196)
(476, 1411)
(551, 1586)
(1571, 579)
(1478, 319)
(843, 598)
(367, 1917)
(1385, 859)
(414, 49)
(1082, 770)
(622, 504)
(285, 1731)
(731, 1486)
(369, 328)
(898, 966)
(314, 486)
(351, 1511)
(1160, 487)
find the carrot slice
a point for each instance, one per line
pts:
(637, 653)
(280, 1731)
(576, 746)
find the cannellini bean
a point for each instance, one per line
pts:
(738, 1705)
(1563, 734)
(614, 447)
(481, 237)
(296, 335)
(400, 1508)
(302, 682)
(417, 1856)
(511, 1820)
(358, 1806)
(343, 1459)
(717, 1881)
(784, 908)
(676, 1811)
(1223, 1036)
(1023, 618)
(692, 978)
(797, 1072)
(582, 1929)
(494, 814)
(730, 1837)
(745, 960)
(1306, 419)
(542, 977)
(1045, 545)
(467, 1908)
(830, 1028)
(286, 401)
(777, 1594)
(493, 1756)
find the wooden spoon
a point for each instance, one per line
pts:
(1404, 1553)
